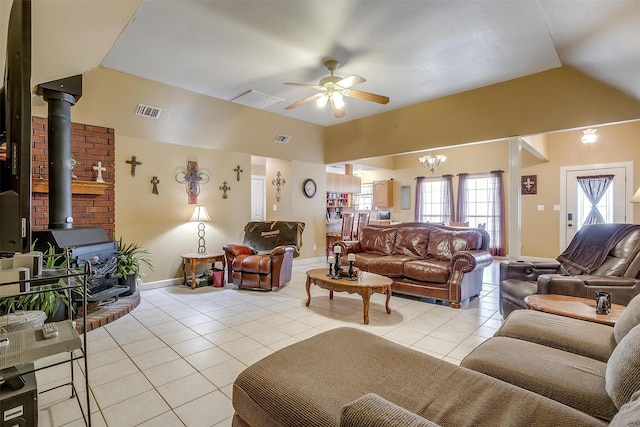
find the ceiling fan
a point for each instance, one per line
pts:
(333, 89)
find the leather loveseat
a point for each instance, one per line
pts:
(265, 260)
(599, 257)
(424, 260)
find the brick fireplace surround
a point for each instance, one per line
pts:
(89, 145)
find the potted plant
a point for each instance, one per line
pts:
(130, 258)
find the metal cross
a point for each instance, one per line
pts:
(237, 170)
(192, 178)
(278, 182)
(155, 181)
(224, 187)
(100, 169)
(133, 162)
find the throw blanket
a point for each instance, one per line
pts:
(265, 236)
(591, 245)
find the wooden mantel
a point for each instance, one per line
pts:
(77, 187)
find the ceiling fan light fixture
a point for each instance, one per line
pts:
(338, 100)
(322, 101)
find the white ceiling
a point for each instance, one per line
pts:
(410, 51)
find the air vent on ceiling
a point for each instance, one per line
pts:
(255, 99)
(282, 138)
(146, 111)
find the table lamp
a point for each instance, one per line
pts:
(200, 215)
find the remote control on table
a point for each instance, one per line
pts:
(49, 330)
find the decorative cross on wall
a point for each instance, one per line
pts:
(224, 187)
(237, 170)
(100, 169)
(278, 182)
(133, 162)
(155, 181)
(192, 179)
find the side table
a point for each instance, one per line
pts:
(576, 307)
(193, 259)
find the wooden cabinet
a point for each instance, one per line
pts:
(339, 183)
(382, 194)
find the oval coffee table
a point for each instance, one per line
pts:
(365, 285)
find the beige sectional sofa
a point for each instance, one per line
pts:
(523, 376)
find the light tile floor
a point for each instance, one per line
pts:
(173, 359)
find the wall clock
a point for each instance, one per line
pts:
(309, 188)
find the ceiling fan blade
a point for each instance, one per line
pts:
(338, 112)
(350, 81)
(304, 101)
(304, 85)
(367, 96)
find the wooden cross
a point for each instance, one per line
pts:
(237, 170)
(133, 162)
(224, 187)
(155, 181)
(100, 169)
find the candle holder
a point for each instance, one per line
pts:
(351, 275)
(337, 266)
(330, 261)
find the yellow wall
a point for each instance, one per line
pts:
(553, 100)
(541, 229)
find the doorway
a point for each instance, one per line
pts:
(258, 206)
(613, 206)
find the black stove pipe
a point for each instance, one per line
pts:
(60, 95)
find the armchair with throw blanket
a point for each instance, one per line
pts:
(599, 257)
(265, 260)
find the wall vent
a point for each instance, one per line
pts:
(282, 138)
(146, 111)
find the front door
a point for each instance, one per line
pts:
(613, 206)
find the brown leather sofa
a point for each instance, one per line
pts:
(424, 260)
(265, 260)
(612, 263)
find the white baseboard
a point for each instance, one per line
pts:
(160, 283)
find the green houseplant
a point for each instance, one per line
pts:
(130, 258)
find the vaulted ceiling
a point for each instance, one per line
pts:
(410, 51)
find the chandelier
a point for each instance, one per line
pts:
(432, 162)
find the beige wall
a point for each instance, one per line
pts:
(553, 100)
(541, 229)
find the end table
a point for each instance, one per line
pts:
(193, 259)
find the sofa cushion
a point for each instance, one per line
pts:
(590, 339)
(620, 257)
(389, 265)
(373, 411)
(629, 413)
(444, 243)
(629, 318)
(378, 240)
(623, 368)
(427, 270)
(412, 241)
(571, 379)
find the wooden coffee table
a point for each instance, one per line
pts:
(578, 308)
(366, 285)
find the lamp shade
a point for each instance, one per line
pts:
(200, 214)
(636, 197)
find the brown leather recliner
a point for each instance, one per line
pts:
(611, 264)
(265, 260)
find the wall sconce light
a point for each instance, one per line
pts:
(589, 136)
(200, 215)
(636, 197)
(432, 162)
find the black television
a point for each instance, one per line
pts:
(15, 131)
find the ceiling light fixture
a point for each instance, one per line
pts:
(589, 136)
(432, 162)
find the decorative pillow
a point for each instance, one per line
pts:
(374, 411)
(378, 240)
(412, 241)
(629, 414)
(622, 377)
(629, 318)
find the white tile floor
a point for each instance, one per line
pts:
(173, 359)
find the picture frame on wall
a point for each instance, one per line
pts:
(405, 197)
(529, 184)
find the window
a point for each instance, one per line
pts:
(604, 206)
(364, 200)
(478, 200)
(434, 201)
